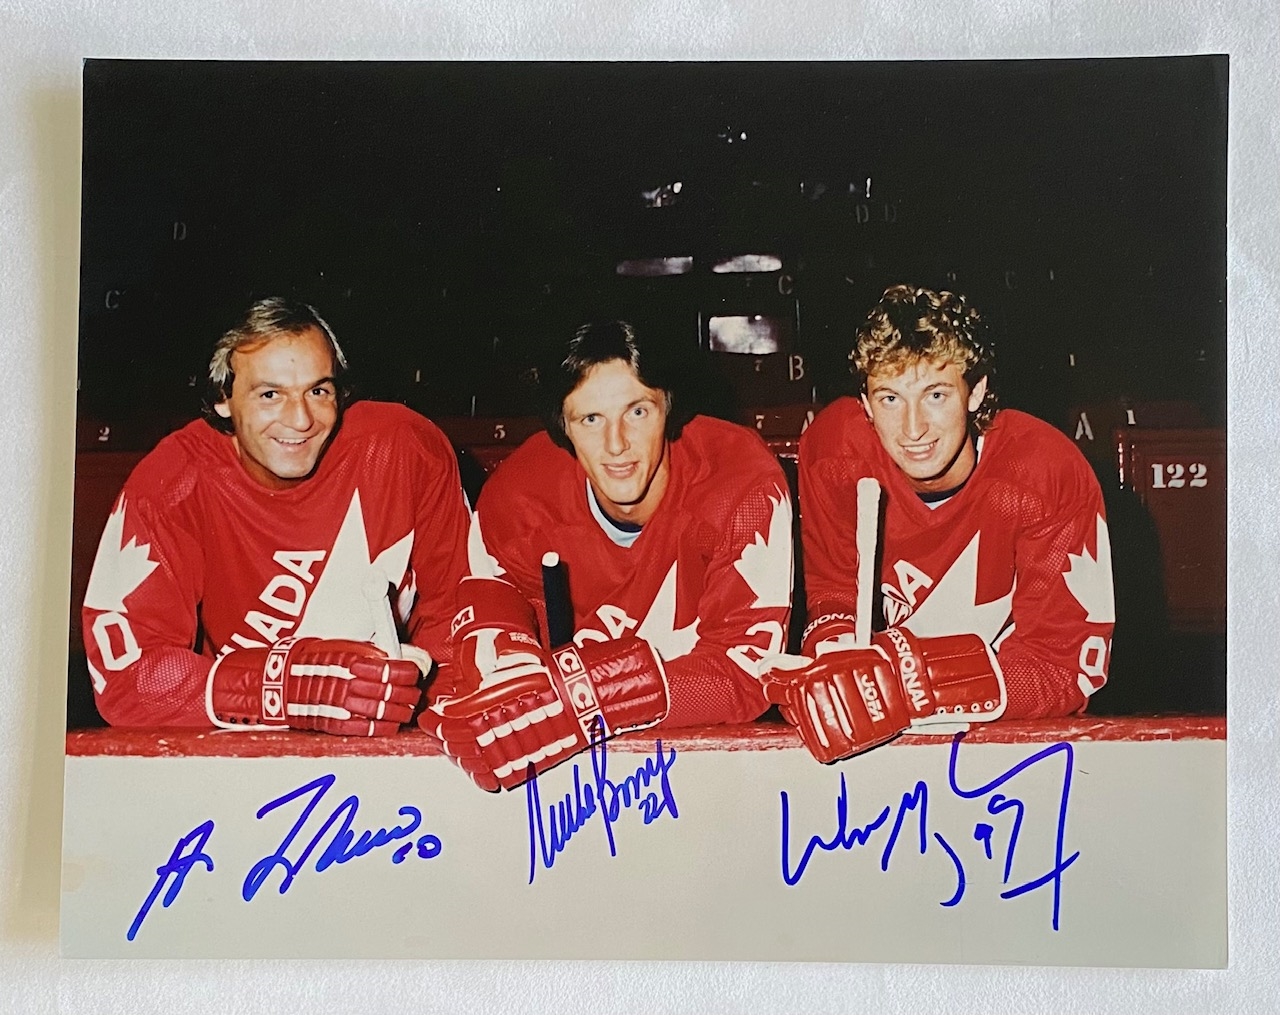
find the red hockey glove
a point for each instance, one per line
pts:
(349, 688)
(493, 637)
(847, 702)
(541, 719)
(830, 632)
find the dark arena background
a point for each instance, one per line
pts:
(455, 221)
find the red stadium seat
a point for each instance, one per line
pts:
(489, 439)
(1180, 477)
(1091, 425)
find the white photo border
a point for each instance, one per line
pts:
(39, 149)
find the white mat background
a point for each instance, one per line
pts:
(41, 46)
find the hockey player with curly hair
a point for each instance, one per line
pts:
(981, 586)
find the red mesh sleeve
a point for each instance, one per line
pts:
(745, 609)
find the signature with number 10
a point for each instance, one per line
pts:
(297, 849)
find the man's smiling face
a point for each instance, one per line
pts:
(283, 406)
(921, 415)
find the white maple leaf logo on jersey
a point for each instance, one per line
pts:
(118, 568)
(659, 624)
(1089, 579)
(765, 564)
(892, 604)
(952, 605)
(350, 599)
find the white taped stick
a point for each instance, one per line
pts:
(866, 537)
(385, 636)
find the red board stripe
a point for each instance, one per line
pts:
(760, 736)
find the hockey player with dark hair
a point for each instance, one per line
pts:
(994, 574)
(675, 533)
(262, 566)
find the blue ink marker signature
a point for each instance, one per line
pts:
(548, 837)
(999, 803)
(178, 867)
(342, 846)
(849, 835)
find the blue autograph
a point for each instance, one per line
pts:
(342, 846)
(548, 837)
(178, 867)
(849, 835)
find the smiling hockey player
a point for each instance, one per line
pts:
(994, 580)
(247, 573)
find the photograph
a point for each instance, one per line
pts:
(791, 488)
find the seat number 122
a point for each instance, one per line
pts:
(1175, 475)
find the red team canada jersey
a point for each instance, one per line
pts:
(1020, 555)
(707, 583)
(380, 525)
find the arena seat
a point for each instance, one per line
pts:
(1180, 478)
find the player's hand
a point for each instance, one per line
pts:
(349, 688)
(850, 700)
(493, 656)
(532, 722)
(841, 704)
(832, 632)
(493, 637)
(959, 677)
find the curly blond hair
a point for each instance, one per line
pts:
(911, 324)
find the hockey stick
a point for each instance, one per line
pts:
(555, 592)
(866, 536)
(385, 635)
